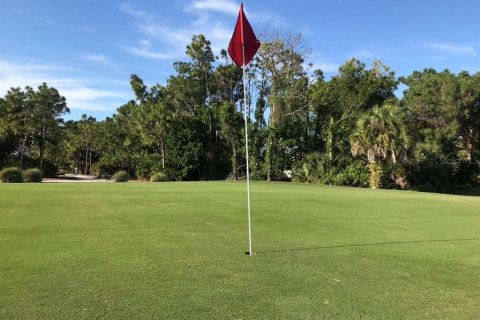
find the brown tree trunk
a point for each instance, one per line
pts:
(269, 156)
(375, 174)
(234, 164)
(470, 143)
(86, 161)
(42, 151)
(330, 143)
(22, 150)
(270, 141)
(162, 148)
(90, 163)
(42, 146)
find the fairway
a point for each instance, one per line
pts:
(177, 251)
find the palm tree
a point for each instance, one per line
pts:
(312, 168)
(380, 134)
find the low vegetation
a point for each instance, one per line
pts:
(159, 177)
(33, 175)
(121, 176)
(11, 175)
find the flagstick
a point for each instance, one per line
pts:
(250, 252)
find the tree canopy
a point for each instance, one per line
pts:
(349, 129)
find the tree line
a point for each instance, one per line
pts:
(350, 129)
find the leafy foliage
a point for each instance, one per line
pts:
(159, 177)
(348, 129)
(120, 176)
(311, 169)
(356, 175)
(30, 124)
(380, 136)
(33, 175)
(11, 175)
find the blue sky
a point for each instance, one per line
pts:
(88, 49)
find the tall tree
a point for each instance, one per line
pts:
(8, 141)
(380, 134)
(18, 119)
(446, 125)
(33, 117)
(227, 94)
(280, 62)
(202, 58)
(87, 138)
(469, 114)
(49, 106)
(338, 103)
(152, 117)
(231, 129)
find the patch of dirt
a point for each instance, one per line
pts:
(74, 178)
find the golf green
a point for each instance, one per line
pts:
(177, 251)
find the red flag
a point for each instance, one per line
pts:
(243, 35)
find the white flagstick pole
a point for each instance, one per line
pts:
(250, 252)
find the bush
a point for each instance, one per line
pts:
(146, 164)
(120, 176)
(159, 177)
(103, 175)
(312, 168)
(11, 175)
(33, 175)
(49, 169)
(355, 175)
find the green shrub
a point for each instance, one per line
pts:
(311, 169)
(11, 175)
(146, 164)
(159, 177)
(103, 175)
(33, 175)
(355, 175)
(49, 169)
(120, 176)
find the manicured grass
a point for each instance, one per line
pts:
(176, 251)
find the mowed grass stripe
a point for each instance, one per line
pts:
(176, 251)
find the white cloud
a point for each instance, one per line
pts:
(224, 6)
(131, 10)
(99, 58)
(327, 67)
(201, 8)
(144, 49)
(150, 54)
(158, 34)
(454, 49)
(167, 41)
(267, 17)
(81, 92)
(167, 34)
(222, 34)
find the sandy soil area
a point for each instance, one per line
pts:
(74, 178)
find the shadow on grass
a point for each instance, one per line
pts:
(465, 191)
(366, 244)
(459, 190)
(75, 177)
